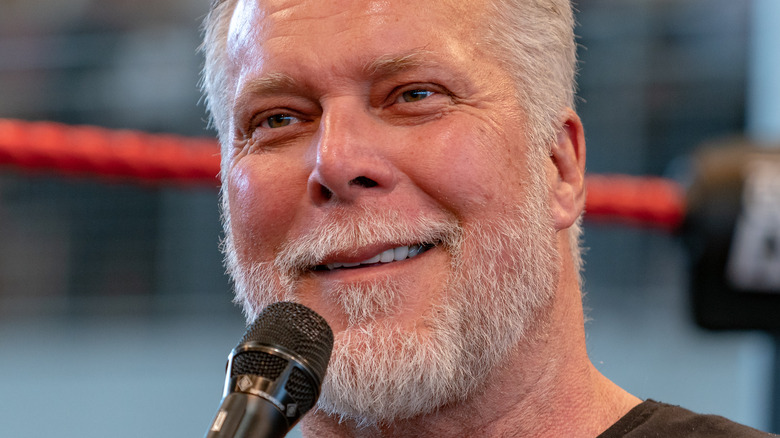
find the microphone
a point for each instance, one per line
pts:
(274, 374)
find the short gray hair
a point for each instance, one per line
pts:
(214, 77)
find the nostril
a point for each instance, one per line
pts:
(325, 192)
(364, 182)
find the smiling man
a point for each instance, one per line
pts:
(414, 172)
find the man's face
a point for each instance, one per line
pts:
(367, 129)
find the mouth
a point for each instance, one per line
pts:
(388, 256)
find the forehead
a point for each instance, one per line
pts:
(317, 32)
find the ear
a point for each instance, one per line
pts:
(568, 158)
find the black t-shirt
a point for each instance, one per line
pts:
(654, 419)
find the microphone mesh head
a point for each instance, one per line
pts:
(297, 329)
(258, 363)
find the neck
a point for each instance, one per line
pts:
(546, 388)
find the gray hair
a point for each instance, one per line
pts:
(533, 40)
(214, 78)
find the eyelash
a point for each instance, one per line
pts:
(278, 118)
(430, 90)
(264, 119)
(426, 94)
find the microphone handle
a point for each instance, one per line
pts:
(243, 415)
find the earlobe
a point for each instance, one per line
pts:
(568, 157)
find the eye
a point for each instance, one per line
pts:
(415, 95)
(278, 121)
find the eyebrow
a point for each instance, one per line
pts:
(393, 64)
(270, 84)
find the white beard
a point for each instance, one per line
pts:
(503, 277)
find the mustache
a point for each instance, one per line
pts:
(345, 233)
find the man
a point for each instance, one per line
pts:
(414, 172)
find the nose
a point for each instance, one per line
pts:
(350, 162)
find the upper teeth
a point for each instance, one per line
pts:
(391, 255)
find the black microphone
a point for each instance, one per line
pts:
(274, 374)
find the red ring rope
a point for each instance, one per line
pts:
(88, 151)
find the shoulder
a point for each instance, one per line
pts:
(652, 418)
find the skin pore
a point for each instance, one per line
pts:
(361, 128)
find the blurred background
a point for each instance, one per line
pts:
(115, 315)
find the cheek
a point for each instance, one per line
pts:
(262, 197)
(466, 169)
